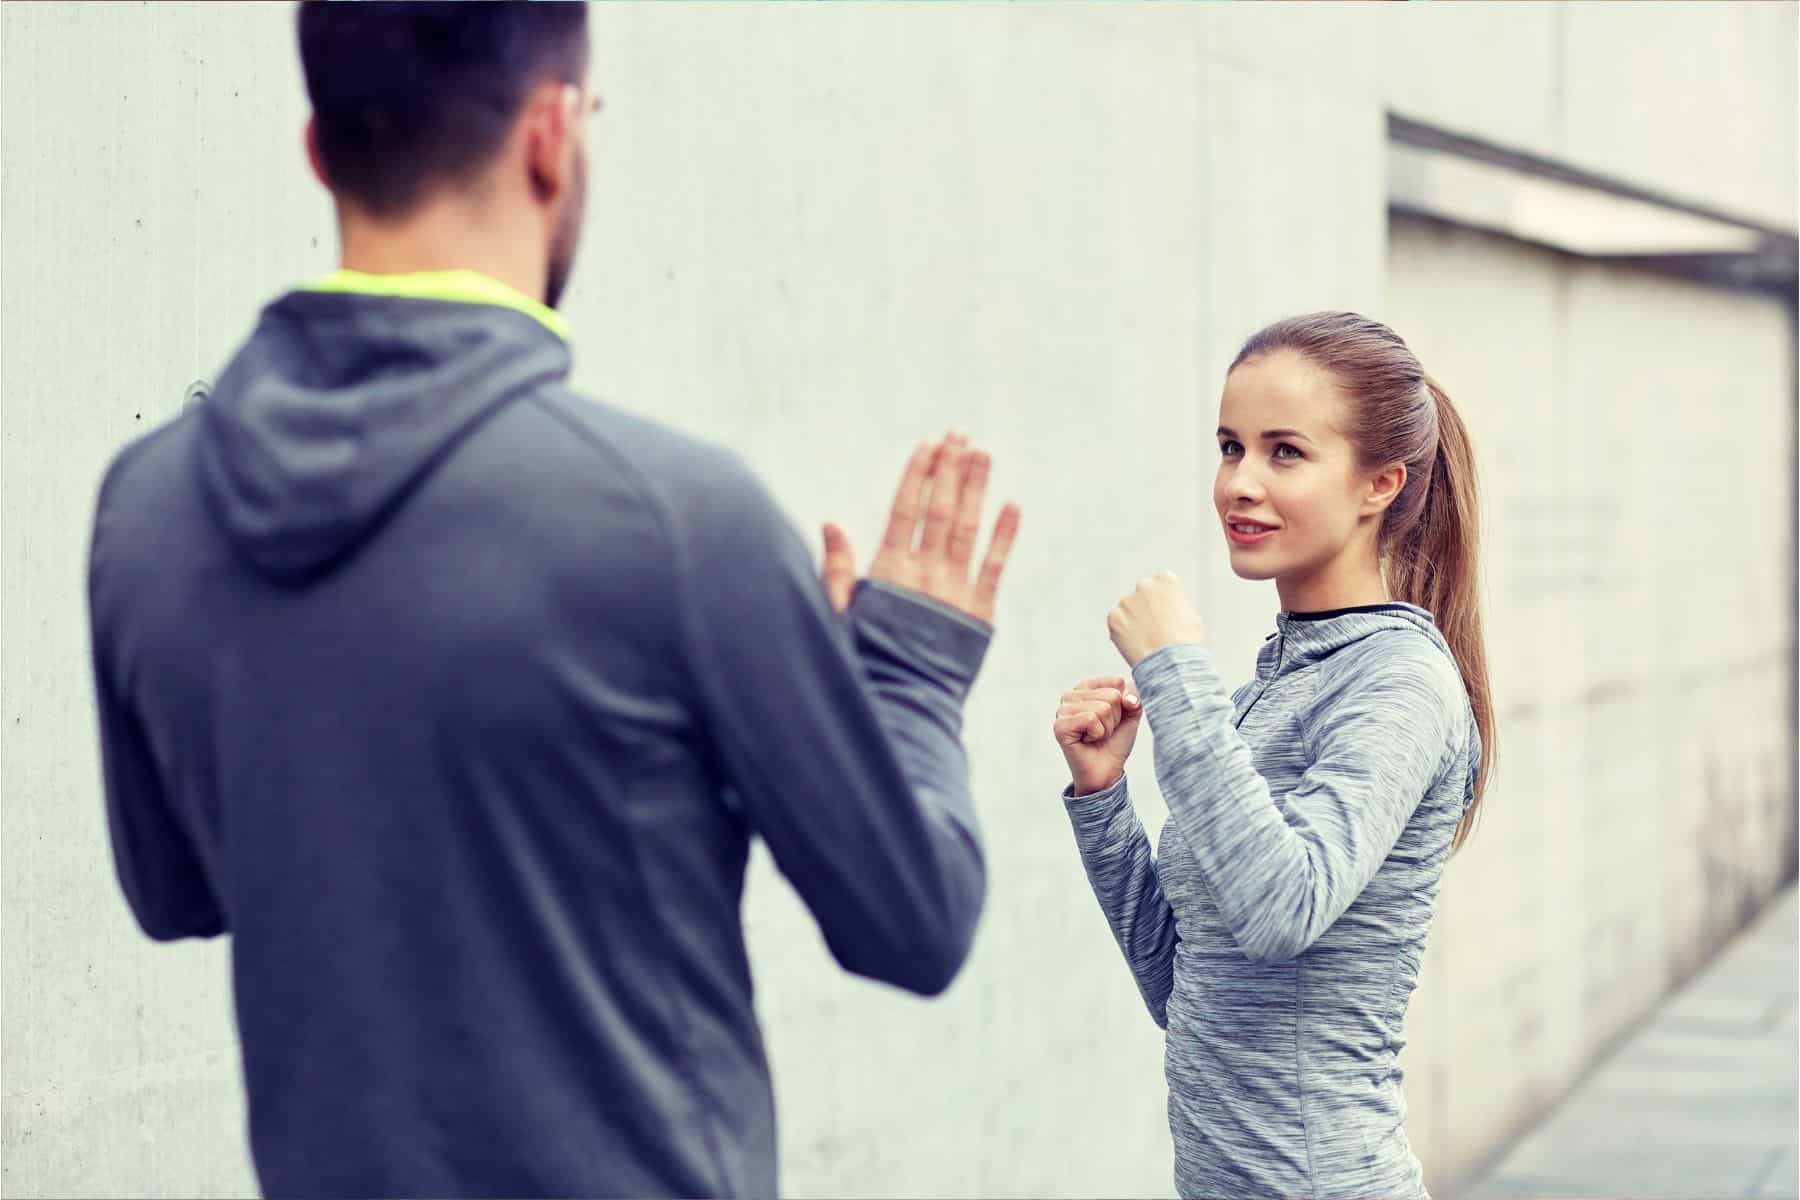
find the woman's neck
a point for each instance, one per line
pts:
(1336, 585)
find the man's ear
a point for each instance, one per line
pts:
(1384, 488)
(550, 127)
(312, 152)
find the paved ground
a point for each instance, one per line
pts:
(1697, 1104)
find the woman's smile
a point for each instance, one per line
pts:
(1245, 532)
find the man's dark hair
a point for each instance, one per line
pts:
(409, 95)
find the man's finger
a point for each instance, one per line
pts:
(903, 519)
(1006, 528)
(839, 570)
(965, 526)
(946, 486)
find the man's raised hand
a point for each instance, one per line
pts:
(931, 532)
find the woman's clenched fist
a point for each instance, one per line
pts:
(1155, 614)
(1095, 726)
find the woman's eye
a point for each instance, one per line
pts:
(1288, 450)
(1230, 449)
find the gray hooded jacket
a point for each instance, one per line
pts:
(455, 698)
(1278, 931)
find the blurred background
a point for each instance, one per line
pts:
(819, 233)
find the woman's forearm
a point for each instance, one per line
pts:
(1115, 851)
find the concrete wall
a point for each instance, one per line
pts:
(1636, 434)
(820, 232)
(1693, 100)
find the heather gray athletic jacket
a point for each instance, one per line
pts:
(456, 698)
(1277, 933)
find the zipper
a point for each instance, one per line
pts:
(1280, 649)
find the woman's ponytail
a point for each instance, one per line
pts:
(1436, 568)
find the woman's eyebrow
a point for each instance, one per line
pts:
(1269, 434)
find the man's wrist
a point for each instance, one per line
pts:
(919, 596)
(922, 635)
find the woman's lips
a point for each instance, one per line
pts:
(1248, 533)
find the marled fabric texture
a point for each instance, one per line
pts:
(1277, 932)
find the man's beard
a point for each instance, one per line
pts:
(567, 236)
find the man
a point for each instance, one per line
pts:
(456, 698)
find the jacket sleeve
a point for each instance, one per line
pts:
(840, 734)
(1282, 876)
(162, 876)
(1116, 854)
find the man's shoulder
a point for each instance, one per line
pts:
(142, 513)
(692, 478)
(142, 474)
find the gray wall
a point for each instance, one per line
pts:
(1637, 436)
(820, 232)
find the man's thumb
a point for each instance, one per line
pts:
(839, 569)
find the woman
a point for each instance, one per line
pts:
(1276, 935)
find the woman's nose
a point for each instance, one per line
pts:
(1242, 484)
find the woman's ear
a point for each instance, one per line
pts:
(1385, 487)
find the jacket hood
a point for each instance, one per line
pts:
(348, 393)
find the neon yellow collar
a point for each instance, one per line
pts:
(466, 286)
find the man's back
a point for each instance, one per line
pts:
(455, 699)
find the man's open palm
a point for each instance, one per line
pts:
(931, 533)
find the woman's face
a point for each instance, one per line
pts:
(1289, 493)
